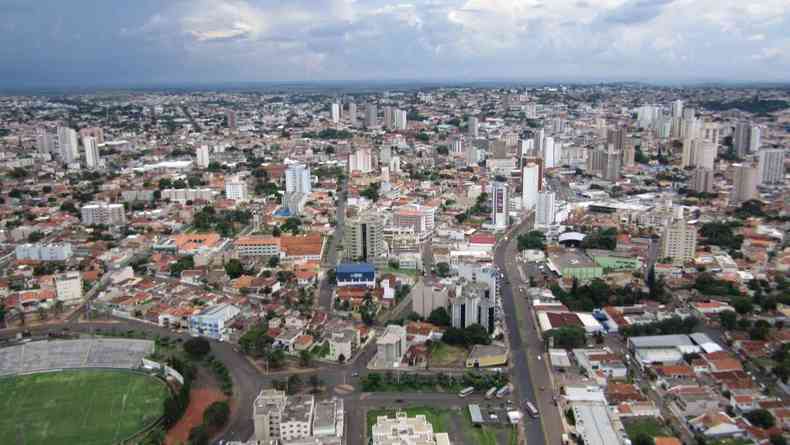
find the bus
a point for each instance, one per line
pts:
(531, 410)
(490, 393)
(504, 391)
(466, 391)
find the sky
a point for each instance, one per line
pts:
(148, 42)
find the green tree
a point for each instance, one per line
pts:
(216, 414)
(643, 438)
(533, 240)
(568, 337)
(305, 359)
(198, 436)
(274, 261)
(439, 317)
(443, 270)
(761, 418)
(197, 347)
(728, 320)
(778, 439)
(742, 305)
(234, 268)
(294, 383)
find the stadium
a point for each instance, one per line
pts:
(90, 391)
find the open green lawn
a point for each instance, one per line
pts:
(649, 425)
(88, 407)
(445, 356)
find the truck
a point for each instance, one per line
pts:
(490, 393)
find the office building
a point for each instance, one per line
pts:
(546, 212)
(68, 145)
(702, 180)
(43, 252)
(745, 180)
(530, 185)
(499, 205)
(472, 127)
(92, 159)
(213, 321)
(772, 165)
(230, 117)
(335, 113)
(363, 239)
(371, 116)
(68, 287)
(473, 303)
(236, 190)
(203, 156)
(102, 213)
(360, 161)
(297, 179)
(391, 346)
(679, 241)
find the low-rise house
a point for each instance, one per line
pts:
(716, 425)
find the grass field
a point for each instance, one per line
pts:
(88, 407)
(445, 356)
(647, 425)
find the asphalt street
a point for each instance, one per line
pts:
(529, 371)
(330, 259)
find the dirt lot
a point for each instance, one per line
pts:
(204, 392)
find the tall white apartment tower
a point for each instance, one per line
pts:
(499, 205)
(549, 153)
(203, 156)
(68, 145)
(679, 241)
(297, 179)
(236, 190)
(744, 182)
(677, 109)
(530, 183)
(352, 114)
(772, 165)
(335, 113)
(546, 213)
(92, 159)
(473, 127)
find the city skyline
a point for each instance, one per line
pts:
(199, 42)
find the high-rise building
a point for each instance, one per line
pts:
(203, 156)
(68, 145)
(679, 241)
(745, 180)
(745, 138)
(629, 153)
(677, 109)
(702, 180)
(401, 119)
(472, 127)
(530, 180)
(617, 138)
(335, 113)
(546, 213)
(772, 165)
(550, 157)
(472, 303)
(710, 132)
(499, 205)
(278, 418)
(371, 116)
(230, 117)
(352, 114)
(360, 161)
(388, 121)
(45, 142)
(236, 189)
(604, 162)
(539, 137)
(698, 153)
(92, 158)
(498, 149)
(363, 239)
(96, 213)
(297, 179)
(456, 145)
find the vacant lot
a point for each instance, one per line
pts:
(446, 356)
(88, 407)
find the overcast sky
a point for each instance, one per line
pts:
(90, 42)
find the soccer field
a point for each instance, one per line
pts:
(87, 407)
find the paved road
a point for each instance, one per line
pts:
(528, 371)
(330, 259)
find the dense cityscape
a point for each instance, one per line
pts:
(557, 264)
